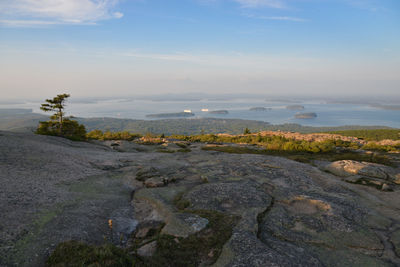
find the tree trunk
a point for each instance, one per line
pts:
(60, 121)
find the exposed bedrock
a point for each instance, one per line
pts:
(196, 208)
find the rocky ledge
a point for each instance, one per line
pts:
(193, 207)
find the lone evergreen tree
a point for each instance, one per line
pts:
(57, 105)
(59, 124)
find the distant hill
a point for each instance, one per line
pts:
(25, 120)
(19, 120)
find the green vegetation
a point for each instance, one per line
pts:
(184, 150)
(70, 129)
(99, 135)
(59, 125)
(204, 125)
(174, 126)
(165, 150)
(305, 157)
(57, 105)
(203, 247)
(275, 143)
(74, 253)
(371, 135)
(377, 147)
(179, 202)
(12, 119)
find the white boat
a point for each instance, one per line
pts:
(187, 111)
(204, 109)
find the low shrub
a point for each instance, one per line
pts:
(99, 135)
(70, 129)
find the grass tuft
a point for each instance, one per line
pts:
(75, 253)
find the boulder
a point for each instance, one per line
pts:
(347, 168)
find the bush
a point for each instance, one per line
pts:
(70, 129)
(372, 135)
(386, 148)
(99, 135)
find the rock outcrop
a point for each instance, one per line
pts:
(196, 208)
(365, 173)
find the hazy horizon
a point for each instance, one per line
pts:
(273, 47)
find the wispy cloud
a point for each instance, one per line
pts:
(167, 57)
(261, 3)
(31, 13)
(250, 3)
(282, 18)
(370, 5)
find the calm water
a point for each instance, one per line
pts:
(328, 114)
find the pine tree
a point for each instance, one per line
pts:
(57, 105)
(60, 125)
(246, 131)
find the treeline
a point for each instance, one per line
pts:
(198, 126)
(277, 143)
(174, 126)
(284, 144)
(372, 135)
(14, 120)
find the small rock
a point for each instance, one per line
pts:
(143, 229)
(396, 179)
(386, 187)
(147, 250)
(155, 182)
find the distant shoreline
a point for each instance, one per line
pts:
(28, 121)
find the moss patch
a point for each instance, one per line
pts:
(75, 253)
(179, 202)
(163, 150)
(202, 248)
(37, 228)
(181, 145)
(184, 150)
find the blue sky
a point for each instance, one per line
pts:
(111, 47)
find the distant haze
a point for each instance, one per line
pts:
(124, 48)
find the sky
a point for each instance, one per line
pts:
(125, 47)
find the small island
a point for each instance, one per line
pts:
(308, 115)
(171, 115)
(223, 112)
(259, 109)
(386, 107)
(295, 107)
